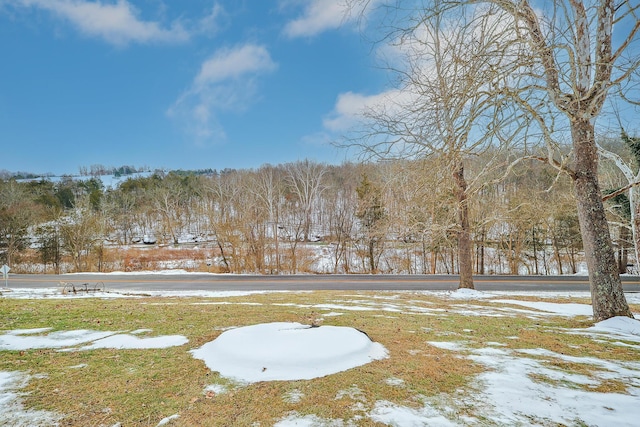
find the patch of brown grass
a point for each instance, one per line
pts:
(585, 369)
(140, 387)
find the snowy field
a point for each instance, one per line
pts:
(509, 392)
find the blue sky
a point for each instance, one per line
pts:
(177, 84)
(186, 84)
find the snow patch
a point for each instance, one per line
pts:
(464, 293)
(56, 293)
(510, 395)
(167, 420)
(397, 415)
(216, 388)
(622, 327)
(27, 339)
(560, 309)
(130, 342)
(447, 345)
(296, 420)
(12, 411)
(287, 351)
(293, 396)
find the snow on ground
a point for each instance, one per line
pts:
(296, 420)
(287, 351)
(621, 327)
(131, 342)
(25, 339)
(519, 387)
(397, 415)
(566, 309)
(513, 394)
(468, 294)
(56, 293)
(53, 292)
(168, 272)
(12, 411)
(167, 420)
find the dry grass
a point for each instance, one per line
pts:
(153, 257)
(140, 387)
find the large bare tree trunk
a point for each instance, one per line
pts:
(465, 256)
(607, 295)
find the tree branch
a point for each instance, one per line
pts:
(620, 191)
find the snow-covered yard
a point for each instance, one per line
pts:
(516, 387)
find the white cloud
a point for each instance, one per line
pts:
(227, 81)
(351, 108)
(322, 15)
(117, 23)
(318, 16)
(412, 53)
(210, 23)
(235, 63)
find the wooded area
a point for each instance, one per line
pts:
(395, 216)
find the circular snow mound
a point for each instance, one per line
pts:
(287, 351)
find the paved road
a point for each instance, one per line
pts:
(208, 282)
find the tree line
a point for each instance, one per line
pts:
(395, 216)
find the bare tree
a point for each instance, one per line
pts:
(578, 54)
(223, 194)
(341, 223)
(305, 181)
(449, 103)
(80, 230)
(341, 205)
(17, 214)
(267, 189)
(168, 201)
(577, 58)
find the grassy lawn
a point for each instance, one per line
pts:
(104, 387)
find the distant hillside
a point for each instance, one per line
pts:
(110, 177)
